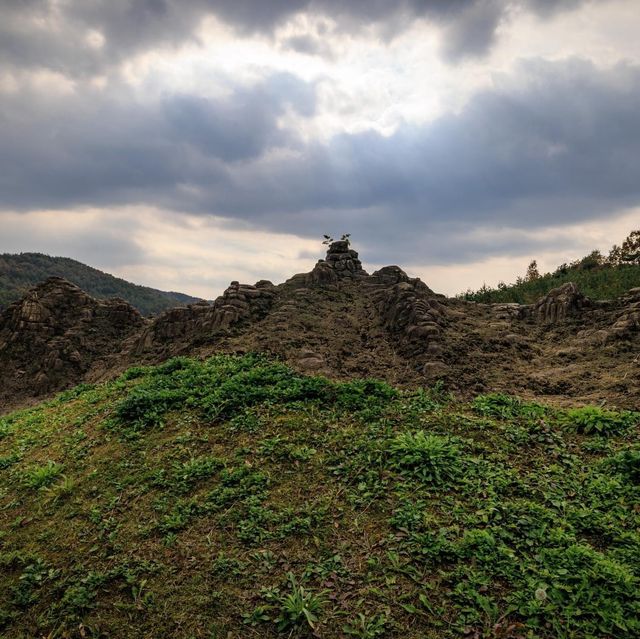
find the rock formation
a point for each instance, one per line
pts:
(340, 263)
(560, 303)
(49, 339)
(335, 320)
(411, 310)
(203, 322)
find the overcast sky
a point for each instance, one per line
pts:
(186, 143)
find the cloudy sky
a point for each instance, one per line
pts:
(186, 143)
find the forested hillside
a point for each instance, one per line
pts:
(20, 272)
(597, 276)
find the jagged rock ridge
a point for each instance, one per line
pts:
(336, 320)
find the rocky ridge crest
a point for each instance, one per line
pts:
(340, 321)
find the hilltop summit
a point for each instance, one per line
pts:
(340, 321)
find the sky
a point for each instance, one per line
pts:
(183, 144)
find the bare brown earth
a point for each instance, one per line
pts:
(338, 321)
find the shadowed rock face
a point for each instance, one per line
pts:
(411, 311)
(50, 338)
(336, 320)
(628, 322)
(200, 323)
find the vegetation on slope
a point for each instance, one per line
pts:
(236, 498)
(597, 276)
(19, 273)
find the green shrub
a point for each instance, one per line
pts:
(362, 393)
(626, 463)
(135, 372)
(145, 408)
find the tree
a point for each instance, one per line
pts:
(631, 248)
(593, 260)
(628, 253)
(532, 272)
(328, 240)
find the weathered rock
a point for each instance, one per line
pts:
(200, 323)
(52, 336)
(339, 321)
(411, 311)
(510, 311)
(560, 303)
(340, 263)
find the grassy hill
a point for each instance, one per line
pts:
(599, 282)
(597, 276)
(20, 272)
(236, 498)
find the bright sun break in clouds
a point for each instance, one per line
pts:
(206, 142)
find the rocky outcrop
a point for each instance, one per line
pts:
(340, 263)
(201, 323)
(510, 311)
(559, 304)
(49, 339)
(335, 320)
(412, 312)
(627, 320)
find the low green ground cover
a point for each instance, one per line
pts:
(237, 498)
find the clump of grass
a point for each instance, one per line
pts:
(299, 607)
(367, 627)
(433, 458)
(42, 476)
(597, 420)
(505, 406)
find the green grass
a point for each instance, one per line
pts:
(599, 283)
(235, 497)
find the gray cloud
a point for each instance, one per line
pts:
(64, 36)
(472, 33)
(101, 247)
(552, 144)
(309, 45)
(111, 148)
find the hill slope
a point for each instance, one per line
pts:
(21, 272)
(599, 283)
(236, 498)
(340, 321)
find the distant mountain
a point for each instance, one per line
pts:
(20, 272)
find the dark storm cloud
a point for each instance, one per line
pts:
(64, 36)
(111, 148)
(553, 143)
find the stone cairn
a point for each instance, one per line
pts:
(340, 263)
